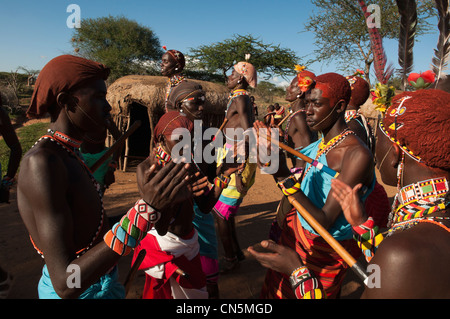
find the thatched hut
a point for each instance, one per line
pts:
(142, 97)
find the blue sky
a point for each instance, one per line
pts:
(33, 32)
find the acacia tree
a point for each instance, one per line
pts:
(341, 33)
(121, 44)
(268, 59)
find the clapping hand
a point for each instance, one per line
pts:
(162, 187)
(350, 202)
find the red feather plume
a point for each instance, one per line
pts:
(382, 72)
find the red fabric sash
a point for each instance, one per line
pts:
(160, 288)
(328, 267)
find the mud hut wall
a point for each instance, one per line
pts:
(150, 92)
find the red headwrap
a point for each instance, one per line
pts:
(334, 87)
(360, 90)
(169, 122)
(419, 122)
(305, 79)
(62, 73)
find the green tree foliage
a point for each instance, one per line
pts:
(266, 91)
(268, 59)
(121, 44)
(341, 33)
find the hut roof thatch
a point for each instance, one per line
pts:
(150, 91)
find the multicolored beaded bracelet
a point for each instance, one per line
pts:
(305, 285)
(368, 237)
(116, 245)
(222, 181)
(289, 186)
(125, 235)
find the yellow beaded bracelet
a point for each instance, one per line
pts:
(289, 186)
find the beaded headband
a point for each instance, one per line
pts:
(187, 97)
(398, 111)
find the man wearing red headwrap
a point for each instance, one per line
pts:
(412, 258)
(172, 245)
(59, 199)
(305, 265)
(377, 204)
(64, 73)
(355, 120)
(297, 134)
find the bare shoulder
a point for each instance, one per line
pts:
(413, 264)
(42, 163)
(41, 154)
(356, 150)
(353, 156)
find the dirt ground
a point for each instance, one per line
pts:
(253, 222)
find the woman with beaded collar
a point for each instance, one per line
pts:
(172, 65)
(412, 151)
(239, 119)
(60, 201)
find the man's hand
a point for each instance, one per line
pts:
(200, 184)
(164, 187)
(279, 258)
(350, 202)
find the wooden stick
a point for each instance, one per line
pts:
(130, 277)
(285, 118)
(307, 159)
(313, 222)
(220, 128)
(115, 146)
(182, 273)
(354, 265)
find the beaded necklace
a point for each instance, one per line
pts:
(325, 148)
(335, 141)
(171, 83)
(413, 222)
(234, 95)
(418, 200)
(288, 122)
(65, 139)
(72, 145)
